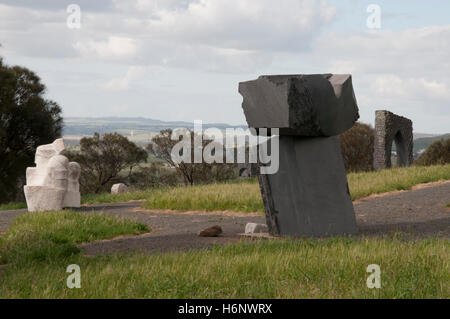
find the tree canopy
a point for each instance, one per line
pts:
(102, 158)
(191, 173)
(437, 153)
(357, 146)
(27, 120)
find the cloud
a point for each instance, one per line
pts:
(411, 52)
(58, 5)
(121, 84)
(214, 44)
(405, 71)
(219, 35)
(35, 33)
(284, 25)
(411, 88)
(114, 48)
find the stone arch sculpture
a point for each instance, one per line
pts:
(391, 128)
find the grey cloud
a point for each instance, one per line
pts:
(223, 36)
(55, 5)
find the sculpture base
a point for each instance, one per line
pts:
(72, 200)
(43, 198)
(309, 195)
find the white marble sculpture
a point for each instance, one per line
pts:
(53, 183)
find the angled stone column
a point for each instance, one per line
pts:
(308, 195)
(390, 128)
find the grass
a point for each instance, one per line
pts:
(38, 247)
(13, 205)
(94, 199)
(244, 195)
(400, 178)
(114, 198)
(327, 268)
(53, 235)
(241, 196)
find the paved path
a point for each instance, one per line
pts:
(172, 231)
(416, 214)
(420, 213)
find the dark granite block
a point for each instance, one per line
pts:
(309, 195)
(302, 105)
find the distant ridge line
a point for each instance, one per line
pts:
(83, 126)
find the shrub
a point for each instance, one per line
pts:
(357, 146)
(103, 158)
(154, 175)
(191, 173)
(437, 153)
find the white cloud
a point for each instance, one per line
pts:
(113, 48)
(214, 35)
(411, 52)
(406, 71)
(121, 84)
(283, 25)
(410, 88)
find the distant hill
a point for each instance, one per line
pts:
(420, 135)
(90, 125)
(138, 129)
(424, 142)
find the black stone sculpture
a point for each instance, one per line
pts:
(390, 128)
(308, 195)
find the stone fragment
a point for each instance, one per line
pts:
(213, 231)
(301, 105)
(255, 228)
(119, 188)
(390, 128)
(53, 183)
(309, 194)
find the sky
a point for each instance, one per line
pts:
(182, 60)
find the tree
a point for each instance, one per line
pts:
(27, 120)
(103, 158)
(154, 175)
(437, 153)
(191, 173)
(357, 145)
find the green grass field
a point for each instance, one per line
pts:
(38, 247)
(51, 235)
(328, 268)
(13, 205)
(244, 195)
